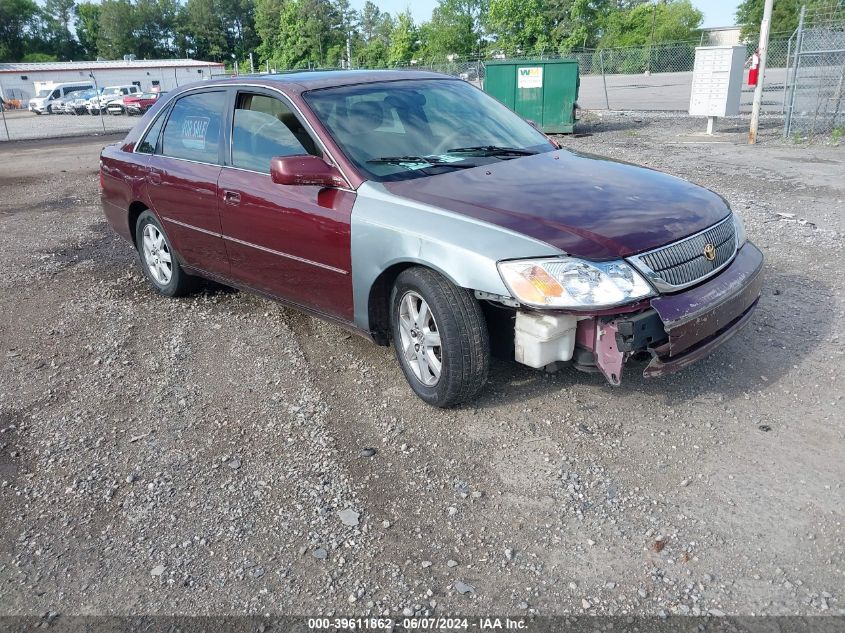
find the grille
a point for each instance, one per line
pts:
(683, 263)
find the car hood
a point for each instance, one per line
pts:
(587, 206)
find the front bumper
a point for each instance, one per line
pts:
(684, 327)
(701, 319)
(674, 329)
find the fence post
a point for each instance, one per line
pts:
(798, 43)
(786, 81)
(3, 113)
(99, 101)
(604, 80)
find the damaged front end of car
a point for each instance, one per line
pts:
(700, 292)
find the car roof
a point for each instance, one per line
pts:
(315, 79)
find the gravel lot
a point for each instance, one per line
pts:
(202, 455)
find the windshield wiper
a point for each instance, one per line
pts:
(491, 150)
(429, 160)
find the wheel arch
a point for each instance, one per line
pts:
(134, 212)
(378, 296)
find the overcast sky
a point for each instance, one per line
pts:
(716, 12)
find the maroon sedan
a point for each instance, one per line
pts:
(140, 103)
(412, 208)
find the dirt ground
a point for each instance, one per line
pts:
(193, 456)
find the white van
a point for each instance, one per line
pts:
(43, 100)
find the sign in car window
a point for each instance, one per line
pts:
(531, 77)
(193, 129)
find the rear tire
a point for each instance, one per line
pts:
(158, 259)
(440, 337)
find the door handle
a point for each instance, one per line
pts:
(231, 197)
(154, 176)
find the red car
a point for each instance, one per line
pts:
(413, 208)
(139, 104)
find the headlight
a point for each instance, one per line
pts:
(739, 230)
(567, 282)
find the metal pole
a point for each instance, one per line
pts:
(3, 113)
(651, 41)
(786, 81)
(761, 77)
(604, 80)
(99, 100)
(799, 43)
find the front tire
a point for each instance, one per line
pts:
(440, 337)
(158, 259)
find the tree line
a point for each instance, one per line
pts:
(329, 33)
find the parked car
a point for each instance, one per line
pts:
(42, 102)
(108, 95)
(76, 102)
(138, 104)
(116, 107)
(60, 105)
(412, 207)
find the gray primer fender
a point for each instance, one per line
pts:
(387, 230)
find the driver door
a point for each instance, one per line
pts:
(290, 241)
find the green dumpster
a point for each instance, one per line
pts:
(544, 91)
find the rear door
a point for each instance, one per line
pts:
(182, 178)
(289, 241)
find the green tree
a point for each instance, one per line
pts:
(519, 25)
(268, 15)
(670, 21)
(371, 18)
(39, 58)
(87, 28)
(239, 24)
(204, 30)
(455, 28)
(17, 18)
(582, 24)
(292, 48)
(375, 29)
(403, 40)
(58, 18)
(785, 14)
(116, 32)
(155, 23)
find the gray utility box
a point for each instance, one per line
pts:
(717, 81)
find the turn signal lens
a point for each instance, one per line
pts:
(567, 282)
(739, 230)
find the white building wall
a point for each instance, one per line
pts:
(13, 86)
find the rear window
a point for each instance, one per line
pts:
(193, 129)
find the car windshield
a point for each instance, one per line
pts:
(422, 127)
(43, 93)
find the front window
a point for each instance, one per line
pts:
(264, 127)
(421, 127)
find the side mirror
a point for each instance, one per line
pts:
(304, 170)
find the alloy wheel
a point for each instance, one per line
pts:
(157, 255)
(420, 339)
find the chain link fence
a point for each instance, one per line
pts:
(815, 110)
(646, 78)
(643, 78)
